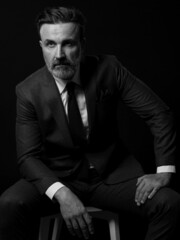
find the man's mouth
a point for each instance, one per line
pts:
(60, 65)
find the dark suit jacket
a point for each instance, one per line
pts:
(45, 150)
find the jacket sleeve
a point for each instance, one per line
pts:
(29, 145)
(158, 116)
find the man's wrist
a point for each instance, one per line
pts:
(62, 194)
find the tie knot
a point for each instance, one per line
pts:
(70, 87)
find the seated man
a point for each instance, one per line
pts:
(69, 150)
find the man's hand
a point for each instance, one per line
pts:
(77, 219)
(148, 185)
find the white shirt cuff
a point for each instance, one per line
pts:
(167, 168)
(53, 189)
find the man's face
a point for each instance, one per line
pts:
(61, 49)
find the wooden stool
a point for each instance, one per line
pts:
(54, 222)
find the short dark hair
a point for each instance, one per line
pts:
(53, 15)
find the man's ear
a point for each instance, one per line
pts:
(40, 43)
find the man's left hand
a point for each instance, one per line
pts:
(149, 184)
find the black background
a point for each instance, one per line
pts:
(143, 35)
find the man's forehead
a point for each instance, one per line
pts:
(59, 29)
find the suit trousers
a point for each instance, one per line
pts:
(21, 207)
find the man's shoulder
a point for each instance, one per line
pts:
(102, 58)
(102, 61)
(33, 79)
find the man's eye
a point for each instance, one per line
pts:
(70, 44)
(50, 44)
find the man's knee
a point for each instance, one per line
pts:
(15, 216)
(167, 200)
(10, 203)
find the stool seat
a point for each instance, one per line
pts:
(54, 223)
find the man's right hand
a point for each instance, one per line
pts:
(76, 217)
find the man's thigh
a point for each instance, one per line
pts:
(25, 194)
(118, 197)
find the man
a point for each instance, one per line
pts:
(66, 163)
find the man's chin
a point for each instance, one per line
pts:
(63, 73)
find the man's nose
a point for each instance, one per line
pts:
(59, 52)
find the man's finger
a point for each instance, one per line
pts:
(83, 227)
(89, 222)
(70, 227)
(139, 198)
(76, 227)
(144, 197)
(139, 192)
(139, 180)
(154, 191)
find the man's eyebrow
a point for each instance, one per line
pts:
(49, 40)
(69, 40)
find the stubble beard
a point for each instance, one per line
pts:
(64, 72)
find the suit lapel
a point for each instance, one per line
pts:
(55, 104)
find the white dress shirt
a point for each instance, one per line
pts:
(83, 111)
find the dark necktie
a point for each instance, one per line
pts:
(75, 121)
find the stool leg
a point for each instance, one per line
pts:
(57, 228)
(44, 228)
(114, 229)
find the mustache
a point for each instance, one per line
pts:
(62, 61)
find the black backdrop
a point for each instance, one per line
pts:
(144, 36)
